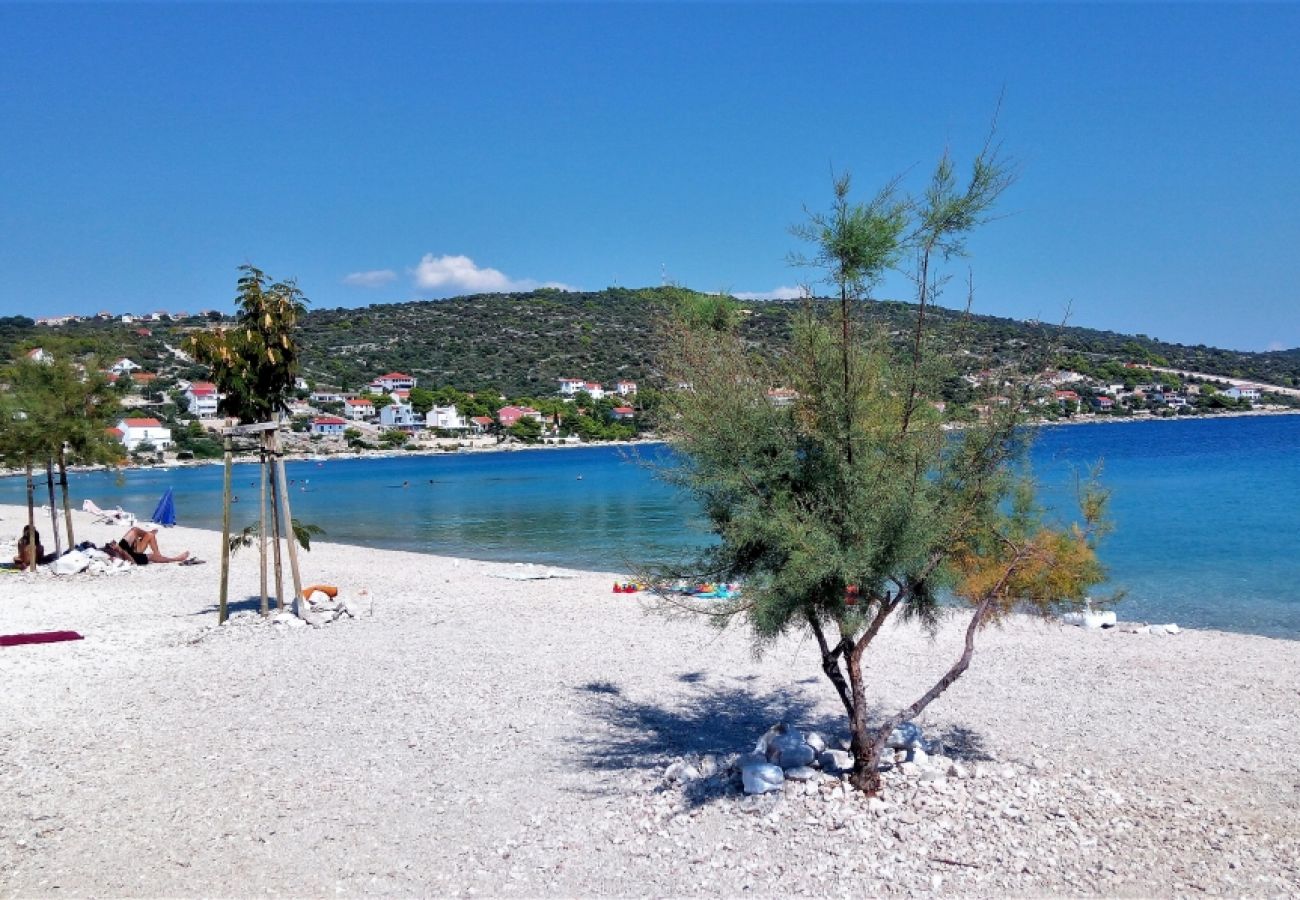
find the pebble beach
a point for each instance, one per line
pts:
(475, 730)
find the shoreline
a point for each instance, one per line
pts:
(1083, 419)
(469, 733)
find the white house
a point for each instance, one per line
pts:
(123, 366)
(447, 418)
(358, 408)
(571, 386)
(393, 381)
(202, 397)
(328, 425)
(399, 415)
(1242, 393)
(626, 388)
(39, 354)
(134, 432)
(595, 389)
(326, 395)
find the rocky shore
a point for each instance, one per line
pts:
(475, 728)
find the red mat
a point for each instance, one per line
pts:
(40, 637)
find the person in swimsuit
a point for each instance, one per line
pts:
(140, 546)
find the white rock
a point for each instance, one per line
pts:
(708, 766)
(762, 778)
(835, 761)
(789, 750)
(816, 741)
(1171, 628)
(800, 773)
(1157, 629)
(918, 756)
(681, 771)
(904, 736)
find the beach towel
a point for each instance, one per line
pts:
(40, 637)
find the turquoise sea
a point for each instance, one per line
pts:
(1206, 512)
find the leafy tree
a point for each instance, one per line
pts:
(60, 413)
(527, 429)
(255, 362)
(422, 400)
(852, 505)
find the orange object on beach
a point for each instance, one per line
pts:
(328, 590)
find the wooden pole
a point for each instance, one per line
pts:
(261, 527)
(31, 520)
(67, 505)
(288, 517)
(225, 532)
(54, 515)
(278, 527)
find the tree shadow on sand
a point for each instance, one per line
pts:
(248, 604)
(630, 734)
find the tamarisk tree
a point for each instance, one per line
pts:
(839, 499)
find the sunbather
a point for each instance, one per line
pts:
(140, 546)
(29, 537)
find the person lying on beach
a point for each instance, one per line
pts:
(30, 537)
(140, 546)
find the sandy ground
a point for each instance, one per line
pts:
(472, 734)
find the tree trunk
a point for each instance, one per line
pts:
(261, 526)
(54, 513)
(67, 504)
(225, 533)
(278, 532)
(31, 520)
(288, 516)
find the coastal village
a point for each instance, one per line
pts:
(171, 413)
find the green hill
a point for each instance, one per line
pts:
(520, 344)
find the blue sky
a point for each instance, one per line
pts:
(391, 152)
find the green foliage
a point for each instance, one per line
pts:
(852, 504)
(303, 532)
(394, 437)
(527, 429)
(255, 363)
(422, 400)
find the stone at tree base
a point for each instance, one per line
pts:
(816, 741)
(835, 761)
(904, 736)
(789, 751)
(761, 778)
(800, 773)
(681, 771)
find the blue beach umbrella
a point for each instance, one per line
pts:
(165, 512)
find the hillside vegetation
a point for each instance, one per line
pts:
(520, 344)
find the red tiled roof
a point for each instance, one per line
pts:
(114, 432)
(392, 375)
(481, 420)
(328, 420)
(143, 423)
(357, 401)
(623, 410)
(143, 376)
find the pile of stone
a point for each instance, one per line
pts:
(319, 608)
(785, 754)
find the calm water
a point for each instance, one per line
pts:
(1207, 513)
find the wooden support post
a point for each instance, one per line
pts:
(261, 522)
(288, 517)
(225, 532)
(31, 520)
(278, 531)
(54, 514)
(67, 505)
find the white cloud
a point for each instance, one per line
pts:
(450, 274)
(372, 279)
(782, 293)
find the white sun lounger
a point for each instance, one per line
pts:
(117, 516)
